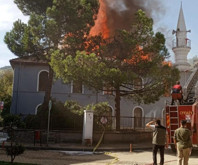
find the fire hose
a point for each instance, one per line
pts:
(100, 140)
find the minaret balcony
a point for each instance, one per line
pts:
(181, 44)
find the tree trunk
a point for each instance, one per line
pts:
(117, 109)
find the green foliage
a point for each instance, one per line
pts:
(74, 107)
(120, 62)
(7, 103)
(37, 6)
(32, 122)
(87, 65)
(16, 39)
(6, 81)
(68, 116)
(101, 110)
(50, 22)
(13, 120)
(14, 151)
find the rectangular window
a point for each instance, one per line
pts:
(77, 87)
(137, 83)
(108, 90)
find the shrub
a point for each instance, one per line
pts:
(15, 120)
(14, 151)
(32, 122)
(62, 116)
(101, 110)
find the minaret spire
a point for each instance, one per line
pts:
(181, 46)
(181, 25)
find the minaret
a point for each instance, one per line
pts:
(182, 45)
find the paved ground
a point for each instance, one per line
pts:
(58, 157)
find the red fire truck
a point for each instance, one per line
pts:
(176, 113)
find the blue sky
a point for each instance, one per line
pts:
(9, 14)
(169, 20)
(164, 22)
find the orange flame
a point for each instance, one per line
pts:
(139, 57)
(169, 63)
(101, 22)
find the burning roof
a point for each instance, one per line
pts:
(119, 14)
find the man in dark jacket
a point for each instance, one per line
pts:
(159, 140)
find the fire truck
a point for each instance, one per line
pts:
(176, 113)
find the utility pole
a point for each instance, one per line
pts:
(48, 124)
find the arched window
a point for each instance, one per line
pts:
(138, 118)
(37, 108)
(137, 83)
(42, 81)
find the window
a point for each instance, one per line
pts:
(38, 107)
(137, 83)
(77, 87)
(108, 90)
(43, 80)
(138, 118)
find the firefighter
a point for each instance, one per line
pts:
(177, 93)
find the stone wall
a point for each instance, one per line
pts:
(124, 137)
(28, 136)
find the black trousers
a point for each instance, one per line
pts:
(155, 149)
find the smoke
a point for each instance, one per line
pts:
(120, 13)
(119, 6)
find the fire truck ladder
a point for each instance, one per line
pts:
(174, 121)
(189, 89)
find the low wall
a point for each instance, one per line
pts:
(124, 137)
(28, 136)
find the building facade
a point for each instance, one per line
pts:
(31, 75)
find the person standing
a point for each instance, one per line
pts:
(159, 140)
(177, 89)
(183, 143)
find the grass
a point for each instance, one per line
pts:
(8, 163)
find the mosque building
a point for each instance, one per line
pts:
(30, 76)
